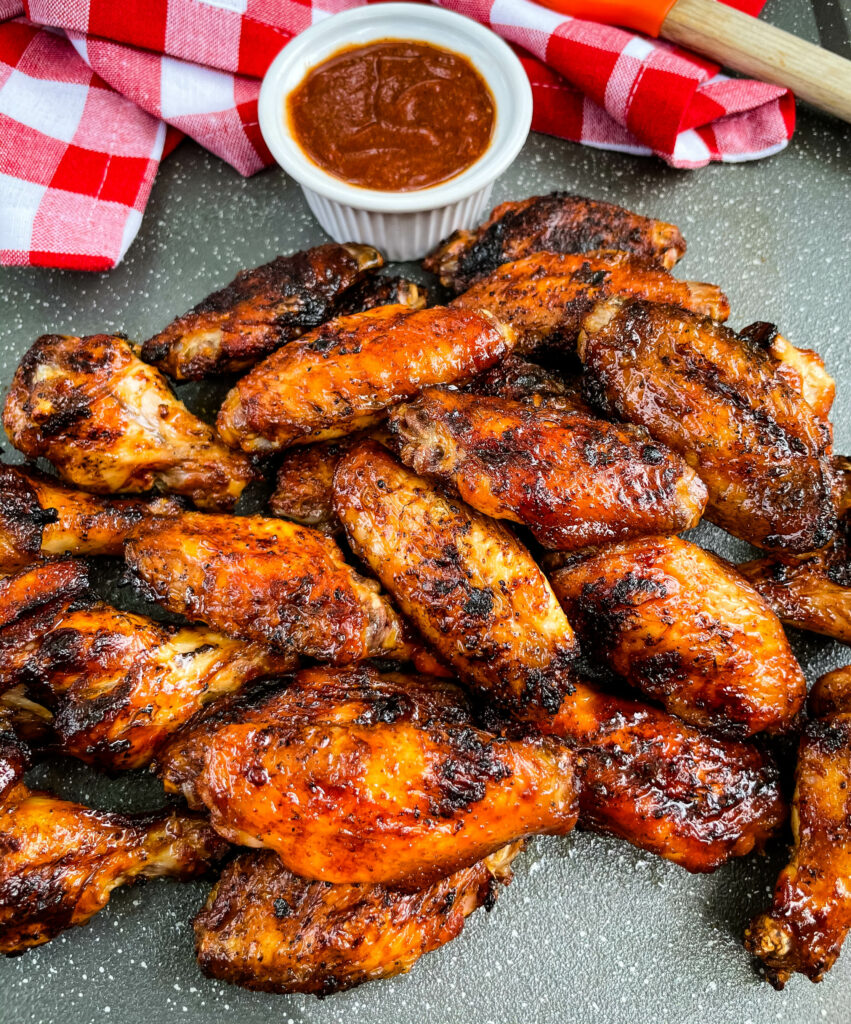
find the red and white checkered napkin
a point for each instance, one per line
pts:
(87, 88)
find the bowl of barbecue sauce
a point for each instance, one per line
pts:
(396, 119)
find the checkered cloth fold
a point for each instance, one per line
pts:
(93, 93)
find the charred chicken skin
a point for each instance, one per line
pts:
(546, 296)
(264, 580)
(351, 776)
(118, 683)
(518, 380)
(468, 585)
(665, 786)
(377, 290)
(687, 630)
(60, 861)
(811, 914)
(573, 479)
(260, 310)
(557, 223)
(41, 518)
(811, 591)
(109, 423)
(719, 400)
(344, 376)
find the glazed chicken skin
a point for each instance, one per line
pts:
(260, 310)
(546, 296)
(811, 914)
(688, 631)
(42, 518)
(811, 591)
(109, 424)
(663, 785)
(378, 290)
(265, 580)
(266, 929)
(557, 223)
(351, 776)
(720, 401)
(468, 585)
(573, 479)
(32, 601)
(118, 683)
(60, 861)
(345, 375)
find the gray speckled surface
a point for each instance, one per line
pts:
(591, 930)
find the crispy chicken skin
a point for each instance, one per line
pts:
(378, 290)
(687, 630)
(351, 776)
(573, 479)
(546, 296)
(842, 482)
(558, 223)
(719, 400)
(118, 683)
(109, 423)
(60, 861)
(811, 913)
(266, 929)
(265, 580)
(468, 585)
(665, 786)
(345, 375)
(32, 601)
(41, 517)
(811, 591)
(260, 310)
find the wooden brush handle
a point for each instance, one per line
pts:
(751, 46)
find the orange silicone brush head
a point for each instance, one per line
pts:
(643, 15)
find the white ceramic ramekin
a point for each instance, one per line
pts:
(403, 225)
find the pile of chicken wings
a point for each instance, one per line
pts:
(467, 618)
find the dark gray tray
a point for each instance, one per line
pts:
(591, 930)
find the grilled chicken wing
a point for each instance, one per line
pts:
(811, 914)
(665, 786)
(40, 517)
(109, 423)
(32, 601)
(260, 310)
(266, 929)
(265, 580)
(684, 628)
(60, 861)
(377, 290)
(119, 683)
(811, 591)
(355, 777)
(546, 296)
(558, 223)
(468, 585)
(518, 380)
(573, 479)
(720, 401)
(345, 375)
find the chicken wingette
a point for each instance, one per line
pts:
(559, 223)
(811, 591)
(468, 585)
(344, 376)
(260, 310)
(721, 402)
(351, 776)
(42, 518)
(665, 786)
(811, 913)
(109, 424)
(118, 683)
(687, 630)
(545, 296)
(265, 580)
(573, 479)
(60, 861)
(266, 929)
